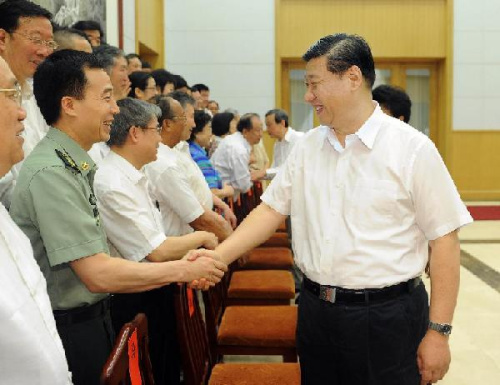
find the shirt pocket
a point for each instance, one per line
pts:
(372, 204)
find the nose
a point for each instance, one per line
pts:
(22, 114)
(114, 107)
(309, 96)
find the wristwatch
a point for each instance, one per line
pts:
(444, 329)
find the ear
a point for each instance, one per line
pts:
(68, 106)
(355, 77)
(138, 92)
(3, 38)
(133, 134)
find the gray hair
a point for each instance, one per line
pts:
(133, 112)
(107, 55)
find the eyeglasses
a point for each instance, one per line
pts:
(14, 94)
(158, 128)
(181, 118)
(50, 44)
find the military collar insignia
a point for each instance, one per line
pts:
(68, 161)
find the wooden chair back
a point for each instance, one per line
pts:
(192, 336)
(116, 369)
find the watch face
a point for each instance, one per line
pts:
(446, 329)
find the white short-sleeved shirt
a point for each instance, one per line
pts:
(171, 186)
(98, 152)
(196, 178)
(283, 147)
(31, 351)
(131, 220)
(362, 216)
(231, 159)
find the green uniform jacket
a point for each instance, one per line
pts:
(54, 205)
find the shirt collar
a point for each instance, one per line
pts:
(242, 139)
(133, 174)
(77, 154)
(288, 135)
(367, 133)
(369, 130)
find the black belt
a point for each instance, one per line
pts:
(335, 294)
(81, 314)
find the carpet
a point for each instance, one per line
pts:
(485, 213)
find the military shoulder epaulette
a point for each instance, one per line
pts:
(68, 161)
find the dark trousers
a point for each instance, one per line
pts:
(361, 344)
(158, 305)
(87, 345)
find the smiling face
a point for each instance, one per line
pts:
(328, 93)
(204, 137)
(189, 124)
(11, 118)
(95, 112)
(26, 47)
(254, 135)
(149, 141)
(149, 92)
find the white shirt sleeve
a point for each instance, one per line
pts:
(173, 189)
(438, 207)
(129, 227)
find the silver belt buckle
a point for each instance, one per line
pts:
(327, 294)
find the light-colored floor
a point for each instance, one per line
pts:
(475, 341)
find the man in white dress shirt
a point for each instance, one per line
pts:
(31, 351)
(232, 156)
(366, 194)
(134, 229)
(176, 182)
(26, 39)
(286, 137)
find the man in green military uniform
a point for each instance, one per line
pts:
(55, 206)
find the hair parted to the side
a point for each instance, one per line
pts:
(61, 74)
(279, 115)
(138, 79)
(165, 104)
(133, 112)
(12, 10)
(342, 51)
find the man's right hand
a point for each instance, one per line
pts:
(205, 268)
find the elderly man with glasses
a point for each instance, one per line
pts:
(28, 334)
(26, 39)
(134, 228)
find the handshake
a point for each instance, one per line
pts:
(205, 269)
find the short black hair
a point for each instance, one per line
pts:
(165, 104)
(201, 87)
(183, 98)
(107, 54)
(131, 56)
(221, 122)
(180, 82)
(342, 52)
(61, 74)
(279, 115)
(395, 99)
(88, 25)
(245, 122)
(138, 79)
(146, 64)
(201, 118)
(162, 78)
(12, 10)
